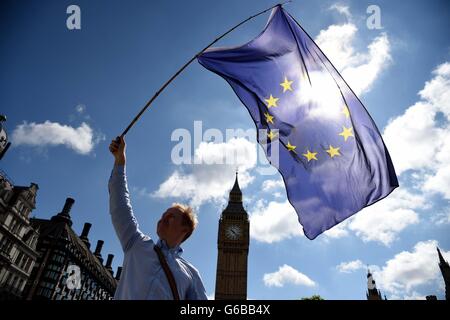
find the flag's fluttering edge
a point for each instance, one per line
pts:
(331, 155)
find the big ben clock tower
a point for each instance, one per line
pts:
(232, 243)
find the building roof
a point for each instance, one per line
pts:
(441, 258)
(60, 231)
(236, 189)
(235, 205)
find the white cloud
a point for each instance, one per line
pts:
(141, 192)
(404, 274)
(360, 70)
(412, 136)
(212, 182)
(436, 91)
(441, 218)
(419, 139)
(362, 76)
(274, 222)
(348, 267)
(80, 113)
(287, 275)
(335, 42)
(439, 182)
(277, 194)
(342, 9)
(414, 296)
(270, 185)
(80, 108)
(82, 139)
(383, 220)
(338, 231)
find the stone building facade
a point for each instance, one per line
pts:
(18, 238)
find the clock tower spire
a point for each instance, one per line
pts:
(232, 244)
(445, 270)
(372, 292)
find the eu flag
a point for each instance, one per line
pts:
(332, 158)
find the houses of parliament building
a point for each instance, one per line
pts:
(46, 259)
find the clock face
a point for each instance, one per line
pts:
(233, 232)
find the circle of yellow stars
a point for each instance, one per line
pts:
(332, 151)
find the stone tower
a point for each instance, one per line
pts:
(233, 244)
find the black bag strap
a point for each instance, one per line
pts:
(169, 275)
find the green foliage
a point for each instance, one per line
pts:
(313, 297)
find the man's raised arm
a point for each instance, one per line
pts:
(122, 216)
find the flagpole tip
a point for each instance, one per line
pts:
(281, 4)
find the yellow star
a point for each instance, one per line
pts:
(333, 151)
(286, 85)
(271, 135)
(346, 112)
(272, 102)
(346, 132)
(310, 155)
(269, 118)
(291, 147)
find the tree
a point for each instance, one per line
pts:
(313, 297)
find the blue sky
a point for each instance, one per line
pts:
(67, 93)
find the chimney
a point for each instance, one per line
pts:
(64, 215)
(68, 206)
(109, 262)
(84, 234)
(98, 250)
(118, 273)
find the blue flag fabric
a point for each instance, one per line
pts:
(331, 155)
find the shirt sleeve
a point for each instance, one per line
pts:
(196, 290)
(123, 219)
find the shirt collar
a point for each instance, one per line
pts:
(177, 250)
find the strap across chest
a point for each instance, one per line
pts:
(168, 272)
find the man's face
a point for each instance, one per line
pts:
(170, 226)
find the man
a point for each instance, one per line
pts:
(143, 276)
